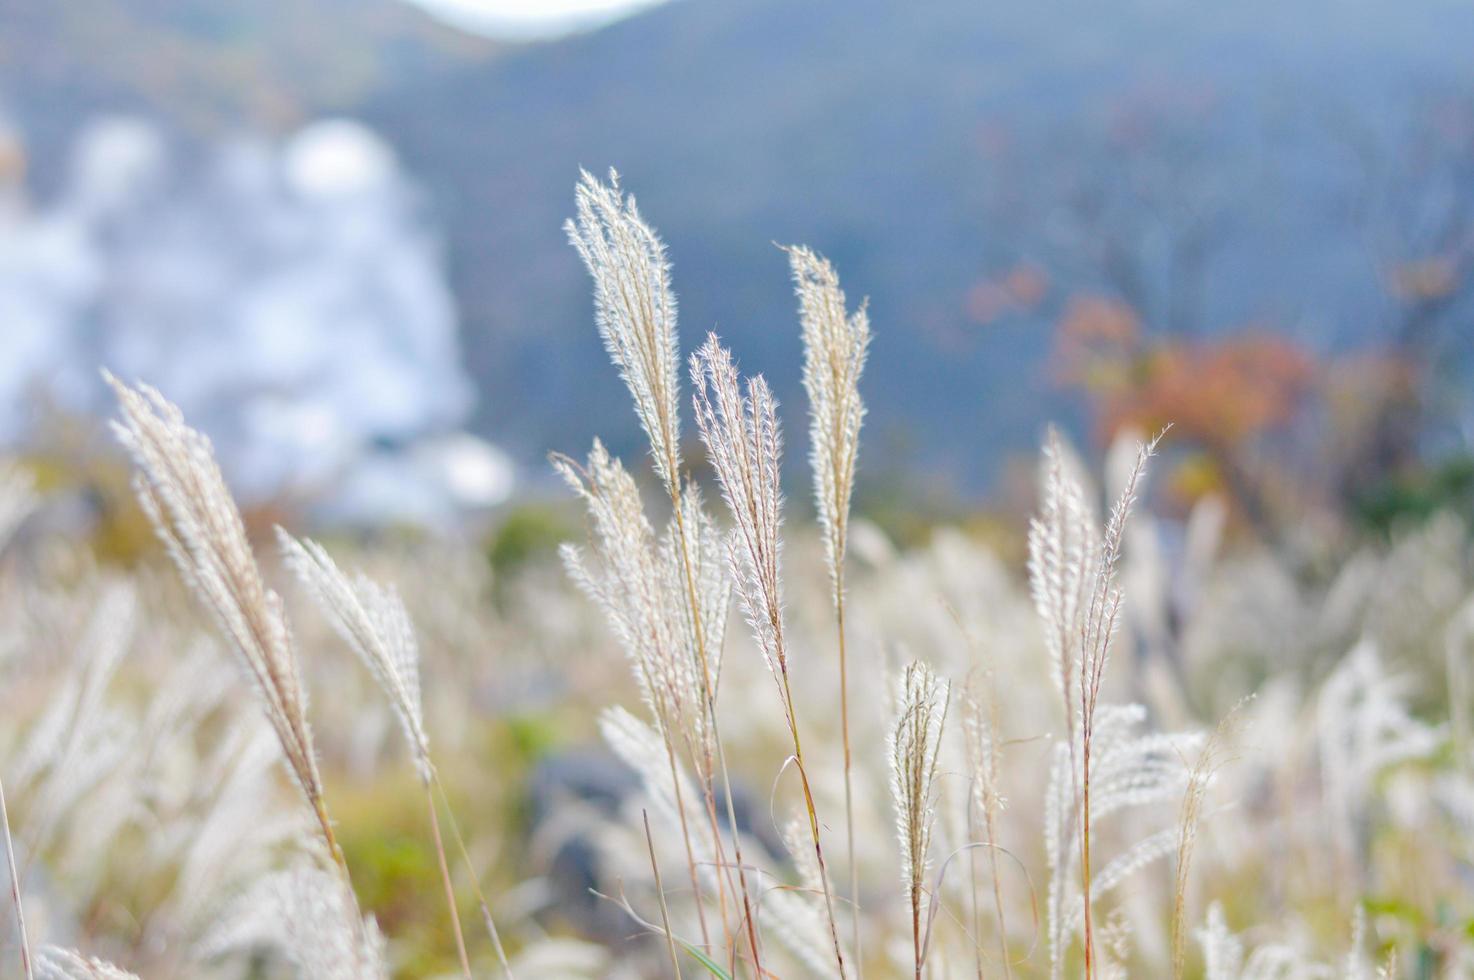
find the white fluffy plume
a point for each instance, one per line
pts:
(835, 346)
(372, 619)
(184, 494)
(635, 310)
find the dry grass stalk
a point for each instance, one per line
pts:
(373, 621)
(1097, 633)
(635, 310)
(23, 941)
(1073, 571)
(922, 699)
(745, 446)
(311, 915)
(1199, 777)
(626, 579)
(670, 940)
(184, 495)
(983, 752)
(482, 904)
(836, 343)
(641, 747)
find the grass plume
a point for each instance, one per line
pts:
(635, 312)
(66, 964)
(183, 492)
(836, 344)
(922, 699)
(373, 621)
(745, 446)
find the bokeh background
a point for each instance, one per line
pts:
(332, 231)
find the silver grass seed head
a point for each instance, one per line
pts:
(982, 749)
(745, 447)
(372, 620)
(634, 309)
(1223, 952)
(183, 492)
(707, 553)
(54, 963)
(669, 789)
(312, 917)
(1104, 608)
(1064, 544)
(922, 699)
(836, 344)
(631, 576)
(709, 558)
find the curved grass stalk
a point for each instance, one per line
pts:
(744, 445)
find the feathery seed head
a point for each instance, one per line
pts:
(1103, 612)
(183, 492)
(642, 748)
(312, 916)
(708, 555)
(1063, 548)
(635, 309)
(922, 700)
(835, 347)
(745, 446)
(981, 747)
(635, 580)
(66, 964)
(372, 619)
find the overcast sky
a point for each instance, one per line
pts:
(533, 18)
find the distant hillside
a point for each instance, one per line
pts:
(1217, 165)
(1214, 163)
(211, 66)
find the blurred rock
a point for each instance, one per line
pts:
(291, 299)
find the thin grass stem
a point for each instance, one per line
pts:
(20, 913)
(670, 941)
(460, 841)
(450, 895)
(693, 597)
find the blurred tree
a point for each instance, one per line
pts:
(1418, 229)
(1224, 397)
(1278, 430)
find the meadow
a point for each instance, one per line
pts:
(707, 738)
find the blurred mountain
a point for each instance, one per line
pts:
(971, 166)
(1219, 166)
(212, 66)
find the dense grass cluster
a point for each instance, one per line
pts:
(1137, 756)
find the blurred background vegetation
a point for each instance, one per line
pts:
(331, 231)
(1254, 222)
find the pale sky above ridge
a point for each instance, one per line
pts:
(532, 19)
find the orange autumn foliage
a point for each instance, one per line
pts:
(1220, 393)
